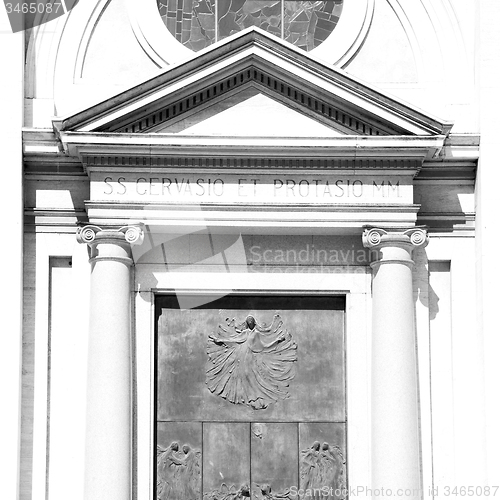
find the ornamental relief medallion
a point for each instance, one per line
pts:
(251, 364)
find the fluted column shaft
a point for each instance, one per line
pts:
(395, 412)
(108, 439)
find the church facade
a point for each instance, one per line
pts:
(254, 248)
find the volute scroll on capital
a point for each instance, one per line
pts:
(415, 237)
(111, 244)
(87, 234)
(133, 234)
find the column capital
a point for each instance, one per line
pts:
(107, 244)
(394, 245)
(375, 238)
(92, 234)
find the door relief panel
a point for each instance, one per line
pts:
(275, 456)
(251, 399)
(251, 364)
(226, 461)
(322, 462)
(178, 459)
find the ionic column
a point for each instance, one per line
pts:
(395, 412)
(108, 438)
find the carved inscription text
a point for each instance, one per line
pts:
(251, 189)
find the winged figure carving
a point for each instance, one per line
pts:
(251, 364)
(178, 472)
(323, 468)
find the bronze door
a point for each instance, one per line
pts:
(250, 398)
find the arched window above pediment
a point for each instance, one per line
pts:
(200, 23)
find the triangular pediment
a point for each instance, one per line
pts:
(253, 84)
(244, 114)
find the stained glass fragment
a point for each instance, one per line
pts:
(199, 23)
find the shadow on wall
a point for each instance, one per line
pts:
(445, 207)
(426, 274)
(429, 299)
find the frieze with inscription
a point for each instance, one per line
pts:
(251, 189)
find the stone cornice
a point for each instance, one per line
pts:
(269, 165)
(456, 160)
(161, 145)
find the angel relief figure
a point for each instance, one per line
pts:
(178, 473)
(251, 364)
(323, 469)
